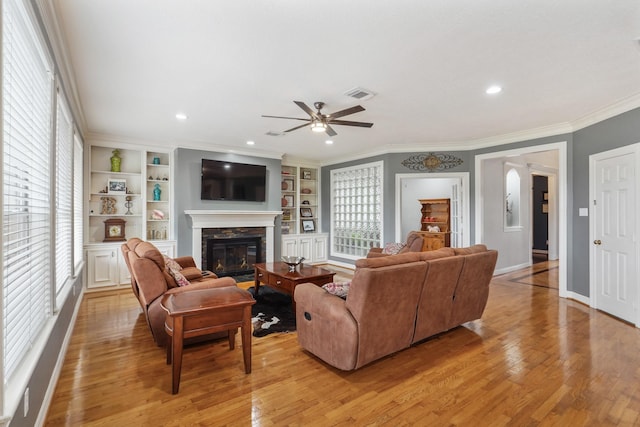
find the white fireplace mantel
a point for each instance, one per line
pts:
(221, 219)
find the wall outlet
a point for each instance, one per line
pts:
(26, 402)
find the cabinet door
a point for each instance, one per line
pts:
(289, 246)
(102, 267)
(124, 275)
(165, 248)
(320, 248)
(306, 248)
(433, 242)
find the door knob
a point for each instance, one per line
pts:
(597, 242)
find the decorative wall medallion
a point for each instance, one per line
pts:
(431, 162)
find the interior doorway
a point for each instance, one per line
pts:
(539, 218)
(489, 206)
(412, 187)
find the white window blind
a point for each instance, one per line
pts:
(356, 210)
(26, 250)
(77, 204)
(63, 194)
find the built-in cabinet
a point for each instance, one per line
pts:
(300, 196)
(313, 247)
(435, 223)
(130, 185)
(106, 266)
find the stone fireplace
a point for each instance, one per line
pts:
(240, 229)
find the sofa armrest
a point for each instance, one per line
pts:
(375, 253)
(204, 284)
(186, 261)
(325, 326)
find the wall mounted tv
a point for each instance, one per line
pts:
(233, 181)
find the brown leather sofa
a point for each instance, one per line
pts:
(413, 244)
(394, 302)
(150, 280)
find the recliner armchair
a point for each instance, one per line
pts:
(150, 280)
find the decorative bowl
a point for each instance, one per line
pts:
(292, 261)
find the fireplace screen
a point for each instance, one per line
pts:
(233, 256)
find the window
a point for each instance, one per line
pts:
(512, 199)
(63, 195)
(77, 205)
(26, 185)
(356, 210)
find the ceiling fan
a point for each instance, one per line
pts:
(321, 122)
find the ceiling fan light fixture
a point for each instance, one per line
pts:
(318, 126)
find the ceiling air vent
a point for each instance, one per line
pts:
(274, 133)
(360, 93)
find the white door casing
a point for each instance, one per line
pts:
(614, 223)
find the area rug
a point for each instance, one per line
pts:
(272, 312)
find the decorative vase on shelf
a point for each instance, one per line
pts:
(156, 160)
(116, 160)
(156, 192)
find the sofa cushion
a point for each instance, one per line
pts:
(388, 260)
(338, 289)
(438, 253)
(175, 271)
(471, 250)
(393, 248)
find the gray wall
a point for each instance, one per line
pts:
(187, 192)
(609, 134)
(392, 166)
(41, 376)
(615, 132)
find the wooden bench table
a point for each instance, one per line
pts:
(203, 312)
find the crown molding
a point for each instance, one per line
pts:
(98, 138)
(612, 110)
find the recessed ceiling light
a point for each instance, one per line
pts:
(328, 142)
(181, 116)
(492, 90)
(251, 143)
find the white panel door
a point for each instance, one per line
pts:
(102, 268)
(614, 236)
(289, 246)
(306, 248)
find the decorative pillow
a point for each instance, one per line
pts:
(393, 248)
(174, 269)
(338, 289)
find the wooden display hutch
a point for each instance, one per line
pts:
(435, 213)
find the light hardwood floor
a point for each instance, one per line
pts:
(533, 359)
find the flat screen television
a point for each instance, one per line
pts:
(233, 181)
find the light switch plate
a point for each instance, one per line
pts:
(583, 211)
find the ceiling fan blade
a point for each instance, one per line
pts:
(306, 109)
(345, 112)
(290, 118)
(329, 130)
(350, 123)
(298, 127)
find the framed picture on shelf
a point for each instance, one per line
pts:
(308, 225)
(117, 186)
(289, 201)
(287, 185)
(306, 212)
(286, 215)
(306, 174)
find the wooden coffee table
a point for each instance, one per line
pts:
(277, 276)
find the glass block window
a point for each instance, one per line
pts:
(356, 210)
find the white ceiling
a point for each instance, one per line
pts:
(135, 64)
